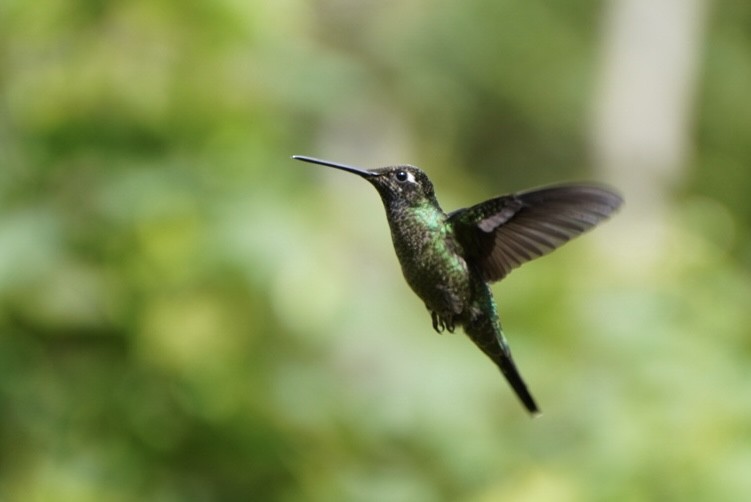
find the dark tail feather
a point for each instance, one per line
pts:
(488, 336)
(508, 368)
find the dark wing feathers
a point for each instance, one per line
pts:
(502, 233)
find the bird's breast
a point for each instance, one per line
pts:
(431, 263)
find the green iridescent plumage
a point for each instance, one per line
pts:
(449, 260)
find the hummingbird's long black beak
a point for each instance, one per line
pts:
(344, 167)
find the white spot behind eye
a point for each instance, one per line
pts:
(410, 177)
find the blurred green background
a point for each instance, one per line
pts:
(188, 314)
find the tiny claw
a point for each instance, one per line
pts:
(438, 325)
(441, 324)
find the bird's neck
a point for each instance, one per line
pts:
(415, 228)
(425, 217)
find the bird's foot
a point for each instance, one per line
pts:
(440, 323)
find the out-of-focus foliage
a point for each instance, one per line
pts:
(187, 314)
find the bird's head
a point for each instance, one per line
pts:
(405, 185)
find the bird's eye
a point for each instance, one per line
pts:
(401, 176)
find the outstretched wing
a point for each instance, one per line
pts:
(500, 234)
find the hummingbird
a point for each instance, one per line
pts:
(450, 259)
